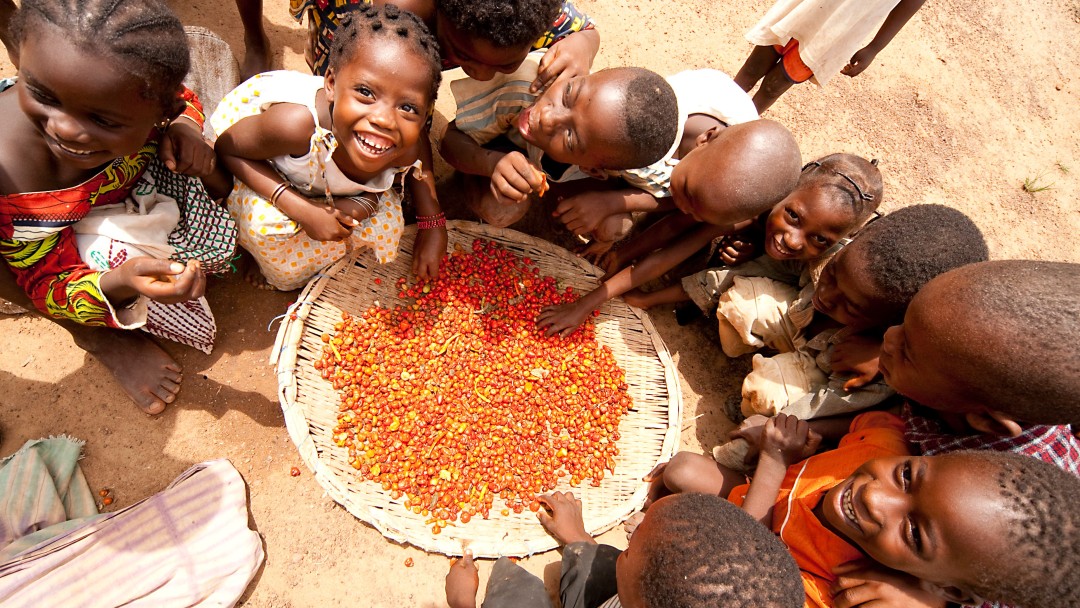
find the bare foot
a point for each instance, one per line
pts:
(462, 583)
(256, 56)
(146, 372)
(632, 523)
(248, 267)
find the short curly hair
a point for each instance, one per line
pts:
(368, 21)
(650, 119)
(907, 248)
(1022, 321)
(144, 36)
(1043, 535)
(709, 552)
(503, 23)
(852, 180)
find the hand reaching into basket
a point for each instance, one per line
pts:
(462, 582)
(565, 522)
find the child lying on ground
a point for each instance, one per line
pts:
(951, 521)
(733, 175)
(504, 107)
(691, 550)
(320, 163)
(863, 288)
(94, 127)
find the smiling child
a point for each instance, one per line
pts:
(321, 161)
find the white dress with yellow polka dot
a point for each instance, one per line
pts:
(287, 257)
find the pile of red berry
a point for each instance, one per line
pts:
(457, 398)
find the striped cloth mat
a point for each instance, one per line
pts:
(188, 545)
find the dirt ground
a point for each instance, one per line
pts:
(971, 101)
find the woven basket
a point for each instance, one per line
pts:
(649, 431)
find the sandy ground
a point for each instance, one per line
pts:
(971, 100)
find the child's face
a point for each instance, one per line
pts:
(631, 563)
(913, 362)
(805, 224)
(381, 100)
(698, 188)
(85, 121)
(577, 121)
(479, 58)
(845, 292)
(930, 516)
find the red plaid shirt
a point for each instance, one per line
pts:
(928, 435)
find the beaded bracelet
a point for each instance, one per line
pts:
(278, 191)
(427, 222)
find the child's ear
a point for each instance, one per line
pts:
(950, 593)
(328, 84)
(993, 422)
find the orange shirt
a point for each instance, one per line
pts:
(816, 549)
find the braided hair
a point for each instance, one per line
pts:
(503, 23)
(709, 552)
(368, 21)
(852, 179)
(144, 36)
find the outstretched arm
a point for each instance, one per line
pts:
(565, 318)
(430, 242)
(895, 22)
(785, 441)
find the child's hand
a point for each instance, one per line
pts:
(164, 281)
(183, 150)
(860, 584)
(324, 223)
(462, 582)
(788, 439)
(514, 178)
(581, 213)
(734, 250)
(859, 62)
(562, 319)
(857, 355)
(428, 252)
(572, 56)
(565, 522)
(750, 430)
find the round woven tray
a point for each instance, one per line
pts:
(649, 431)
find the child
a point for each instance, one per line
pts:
(802, 227)
(950, 521)
(821, 370)
(92, 120)
(691, 550)
(798, 40)
(318, 161)
(536, 126)
(731, 177)
(483, 38)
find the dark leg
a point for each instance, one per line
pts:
(760, 61)
(256, 44)
(775, 84)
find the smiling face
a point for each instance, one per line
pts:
(479, 58)
(84, 122)
(578, 121)
(381, 101)
(805, 224)
(845, 292)
(933, 517)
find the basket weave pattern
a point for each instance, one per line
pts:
(649, 431)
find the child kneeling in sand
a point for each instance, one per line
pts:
(691, 550)
(319, 162)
